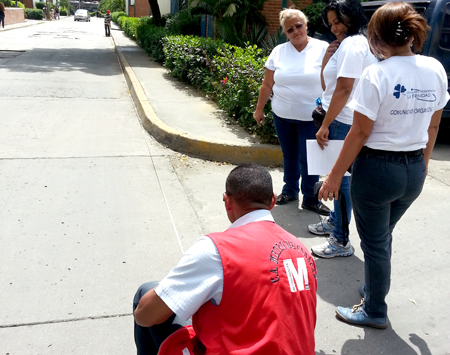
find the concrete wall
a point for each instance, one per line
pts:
(13, 15)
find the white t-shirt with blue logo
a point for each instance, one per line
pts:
(400, 95)
(297, 79)
(349, 61)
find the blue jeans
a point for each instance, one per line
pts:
(149, 339)
(338, 131)
(382, 189)
(292, 135)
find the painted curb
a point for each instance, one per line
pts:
(263, 154)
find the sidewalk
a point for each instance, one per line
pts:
(181, 117)
(27, 23)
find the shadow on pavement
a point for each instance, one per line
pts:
(93, 61)
(386, 341)
(441, 150)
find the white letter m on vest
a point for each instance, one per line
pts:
(300, 276)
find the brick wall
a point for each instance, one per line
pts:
(142, 8)
(13, 15)
(272, 10)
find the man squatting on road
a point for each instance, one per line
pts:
(251, 288)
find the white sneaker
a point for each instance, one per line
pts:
(331, 248)
(322, 228)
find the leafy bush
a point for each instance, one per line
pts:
(111, 5)
(189, 59)
(240, 72)
(39, 5)
(116, 15)
(146, 20)
(34, 14)
(12, 3)
(130, 25)
(63, 12)
(149, 37)
(231, 74)
(183, 23)
(314, 14)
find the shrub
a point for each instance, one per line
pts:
(314, 14)
(12, 3)
(189, 59)
(130, 25)
(63, 12)
(183, 23)
(116, 15)
(150, 38)
(34, 14)
(231, 74)
(40, 5)
(239, 73)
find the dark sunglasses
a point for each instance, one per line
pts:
(298, 26)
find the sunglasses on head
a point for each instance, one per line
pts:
(298, 26)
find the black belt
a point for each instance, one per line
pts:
(413, 153)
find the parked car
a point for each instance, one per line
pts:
(437, 45)
(82, 15)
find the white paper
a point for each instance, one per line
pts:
(321, 161)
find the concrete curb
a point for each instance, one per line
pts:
(263, 154)
(16, 26)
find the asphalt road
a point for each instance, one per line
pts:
(91, 206)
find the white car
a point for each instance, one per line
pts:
(82, 15)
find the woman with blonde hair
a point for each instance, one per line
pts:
(395, 124)
(293, 76)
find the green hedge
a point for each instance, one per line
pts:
(130, 25)
(116, 15)
(34, 14)
(150, 39)
(190, 58)
(239, 73)
(230, 75)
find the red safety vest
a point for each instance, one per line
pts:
(268, 304)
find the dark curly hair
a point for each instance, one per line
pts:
(350, 13)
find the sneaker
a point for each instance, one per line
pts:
(319, 208)
(324, 227)
(332, 248)
(356, 315)
(282, 199)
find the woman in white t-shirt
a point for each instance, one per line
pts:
(293, 75)
(395, 124)
(342, 66)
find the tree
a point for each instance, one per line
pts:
(232, 18)
(112, 5)
(156, 13)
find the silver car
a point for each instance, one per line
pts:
(82, 15)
